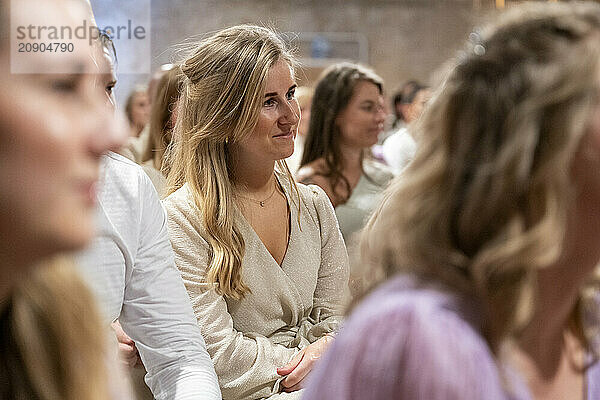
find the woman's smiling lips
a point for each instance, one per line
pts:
(285, 135)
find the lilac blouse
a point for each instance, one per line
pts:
(409, 341)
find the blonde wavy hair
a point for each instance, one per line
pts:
(483, 206)
(221, 96)
(53, 343)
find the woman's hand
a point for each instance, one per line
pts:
(128, 353)
(302, 363)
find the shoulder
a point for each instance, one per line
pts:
(316, 168)
(428, 312)
(315, 199)
(398, 150)
(401, 138)
(314, 202)
(401, 142)
(124, 184)
(416, 342)
(312, 192)
(120, 167)
(378, 172)
(180, 204)
(314, 173)
(124, 173)
(312, 196)
(183, 219)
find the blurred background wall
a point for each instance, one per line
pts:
(400, 39)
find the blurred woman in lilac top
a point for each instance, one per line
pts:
(491, 237)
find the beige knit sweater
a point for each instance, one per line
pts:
(290, 306)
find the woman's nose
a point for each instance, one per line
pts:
(108, 131)
(291, 112)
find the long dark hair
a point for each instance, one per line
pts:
(406, 95)
(332, 95)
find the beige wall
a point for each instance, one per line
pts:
(406, 39)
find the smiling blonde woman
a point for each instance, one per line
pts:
(262, 258)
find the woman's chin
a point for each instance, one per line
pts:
(286, 153)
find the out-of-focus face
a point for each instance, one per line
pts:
(305, 120)
(361, 122)
(53, 130)
(140, 109)
(106, 77)
(273, 136)
(153, 84)
(583, 229)
(415, 109)
(586, 164)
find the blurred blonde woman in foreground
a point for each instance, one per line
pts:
(492, 236)
(262, 258)
(53, 130)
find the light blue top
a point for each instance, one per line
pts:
(354, 213)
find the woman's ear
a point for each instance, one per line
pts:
(338, 118)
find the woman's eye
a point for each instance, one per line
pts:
(109, 88)
(269, 103)
(291, 94)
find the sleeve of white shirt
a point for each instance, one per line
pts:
(398, 150)
(158, 316)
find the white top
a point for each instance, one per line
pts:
(365, 197)
(130, 267)
(398, 150)
(156, 177)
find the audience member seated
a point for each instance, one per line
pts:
(304, 95)
(262, 258)
(53, 131)
(131, 268)
(396, 120)
(347, 116)
(137, 109)
(492, 236)
(106, 78)
(400, 147)
(162, 121)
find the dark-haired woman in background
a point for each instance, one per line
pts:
(347, 116)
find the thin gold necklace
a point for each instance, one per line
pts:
(260, 202)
